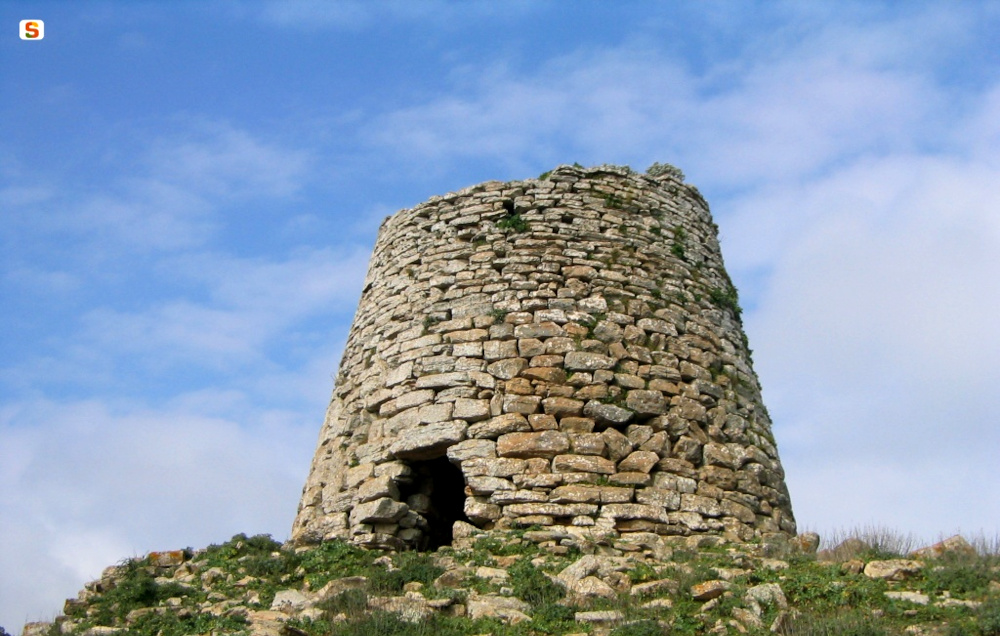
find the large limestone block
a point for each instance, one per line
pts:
(583, 464)
(550, 509)
(471, 410)
(562, 407)
(638, 462)
(499, 467)
(893, 569)
(576, 493)
(607, 413)
(635, 511)
(470, 448)
(378, 488)
(499, 425)
(587, 361)
(545, 444)
(539, 330)
(383, 510)
(669, 499)
(646, 402)
(429, 441)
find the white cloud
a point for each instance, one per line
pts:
(90, 484)
(875, 339)
(217, 159)
(250, 304)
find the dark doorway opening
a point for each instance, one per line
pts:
(436, 492)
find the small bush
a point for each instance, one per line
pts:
(727, 298)
(411, 567)
(513, 222)
(531, 585)
(334, 559)
(958, 575)
(551, 618)
(658, 169)
(988, 618)
(350, 602)
(869, 542)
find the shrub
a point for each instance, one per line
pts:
(512, 222)
(531, 585)
(334, 559)
(551, 618)
(411, 567)
(658, 169)
(958, 575)
(727, 298)
(988, 618)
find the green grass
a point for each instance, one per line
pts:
(827, 601)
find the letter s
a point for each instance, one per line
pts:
(31, 30)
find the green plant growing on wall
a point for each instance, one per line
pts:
(677, 248)
(613, 202)
(726, 298)
(658, 169)
(512, 222)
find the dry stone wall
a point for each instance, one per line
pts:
(562, 351)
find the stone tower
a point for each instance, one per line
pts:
(561, 351)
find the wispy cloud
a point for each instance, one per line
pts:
(216, 159)
(151, 475)
(249, 304)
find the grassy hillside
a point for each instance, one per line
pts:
(545, 582)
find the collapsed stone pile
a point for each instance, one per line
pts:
(561, 351)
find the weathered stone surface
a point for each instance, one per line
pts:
(539, 330)
(471, 448)
(582, 464)
(505, 608)
(893, 569)
(638, 462)
(592, 587)
(429, 441)
(586, 361)
(562, 407)
(646, 402)
(500, 467)
(499, 425)
(709, 589)
(524, 445)
(762, 596)
(471, 410)
(289, 601)
(669, 499)
(383, 510)
(576, 493)
(952, 545)
(378, 488)
(636, 511)
(523, 404)
(607, 413)
(910, 597)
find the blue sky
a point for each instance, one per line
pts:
(189, 192)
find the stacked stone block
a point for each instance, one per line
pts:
(561, 351)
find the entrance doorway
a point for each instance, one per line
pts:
(437, 492)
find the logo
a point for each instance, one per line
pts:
(32, 29)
